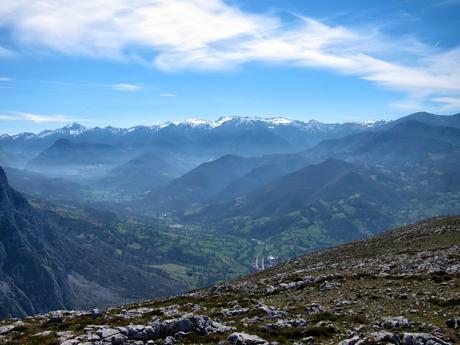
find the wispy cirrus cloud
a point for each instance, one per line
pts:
(228, 37)
(6, 53)
(448, 103)
(168, 95)
(9, 117)
(127, 87)
(38, 118)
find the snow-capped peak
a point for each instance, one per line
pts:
(280, 121)
(24, 135)
(73, 128)
(239, 120)
(221, 120)
(195, 122)
(373, 123)
(45, 133)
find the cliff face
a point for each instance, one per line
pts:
(51, 260)
(31, 273)
(399, 287)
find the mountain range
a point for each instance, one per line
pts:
(186, 204)
(194, 137)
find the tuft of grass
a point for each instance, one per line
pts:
(320, 331)
(35, 340)
(450, 302)
(440, 276)
(325, 316)
(361, 319)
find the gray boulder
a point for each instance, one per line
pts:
(245, 339)
(421, 339)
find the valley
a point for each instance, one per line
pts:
(185, 205)
(399, 287)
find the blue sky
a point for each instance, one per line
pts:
(131, 62)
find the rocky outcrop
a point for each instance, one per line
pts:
(384, 338)
(167, 330)
(246, 339)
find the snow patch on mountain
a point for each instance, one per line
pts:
(75, 129)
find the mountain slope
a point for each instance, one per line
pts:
(32, 274)
(275, 167)
(141, 173)
(328, 181)
(51, 261)
(77, 160)
(40, 186)
(331, 179)
(432, 119)
(208, 179)
(65, 152)
(407, 141)
(399, 287)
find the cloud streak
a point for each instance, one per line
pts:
(127, 87)
(38, 118)
(448, 103)
(228, 37)
(6, 53)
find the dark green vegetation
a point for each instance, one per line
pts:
(399, 284)
(186, 205)
(56, 257)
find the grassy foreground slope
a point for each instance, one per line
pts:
(399, 287)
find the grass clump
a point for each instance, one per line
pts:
(450, 302)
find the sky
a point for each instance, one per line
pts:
(132, 62)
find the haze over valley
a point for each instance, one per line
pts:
(196, 202)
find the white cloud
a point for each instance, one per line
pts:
(212, 35)
(38, 118)
(448, 103)
(127, 87)
(9, 117)
(409, 104)
(168, 95)
(108, 27)
(435, 104)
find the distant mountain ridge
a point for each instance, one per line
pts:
(405, 140)
(277, 134)
(197, 140)
(76, 129)
(192, 141)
